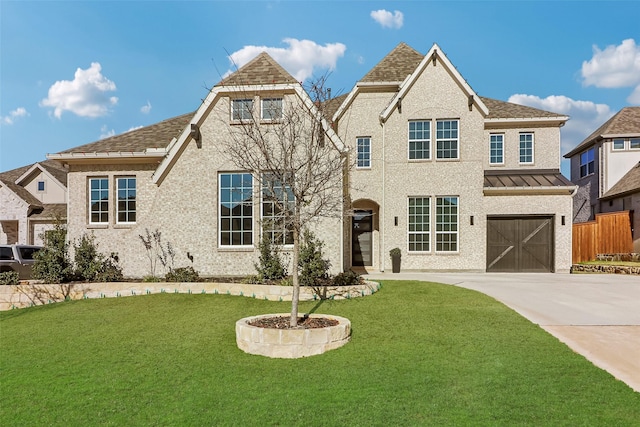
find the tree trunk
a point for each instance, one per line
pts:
(295, 298)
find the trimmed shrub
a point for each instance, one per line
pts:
(182, 274)
(270, 266)
(52, 263)
(91, 265)
(348, 278)
(314, 269)
(9, 278)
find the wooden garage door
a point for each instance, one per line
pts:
(522, 244)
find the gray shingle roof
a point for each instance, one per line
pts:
(525, 178)
(508, 110)
(624, 122)
(9, 178)
(396, 66)
(261, 70)
(629, 183)
(157, 135)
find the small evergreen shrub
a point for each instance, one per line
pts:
(9, 278)
(270, 266)
(182, 274)
(91, 265)
(52, 263)
(348, 278)
(314, 269)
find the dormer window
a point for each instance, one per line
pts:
(241, 109)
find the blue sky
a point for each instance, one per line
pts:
(73, 72)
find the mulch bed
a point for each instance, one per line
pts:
(282, 322)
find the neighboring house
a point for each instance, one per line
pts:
(32, 199)
(605, 167)
(455, 180)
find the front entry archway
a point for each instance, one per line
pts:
(362, 238)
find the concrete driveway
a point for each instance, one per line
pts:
(596, 315)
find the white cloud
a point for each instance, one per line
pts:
(387, 19)
(585, 116)
(614, 67)
(13, 115)
(105, 132)
(85, 96)
(135, 128)
(300, 58)
(145, 109)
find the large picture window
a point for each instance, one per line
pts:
(447, 139)
(363, 146)
(235, 197)
(241, 109)
(419, 140)
(98, 200)
(587, 163)
(447, 224)
(496, 149)
(419, 224)
(126, 207)
(526, 148)
(277, 209)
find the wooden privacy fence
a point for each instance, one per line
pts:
(610, 233)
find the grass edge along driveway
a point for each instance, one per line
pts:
(421, 354)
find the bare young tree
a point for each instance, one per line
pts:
(298, 162)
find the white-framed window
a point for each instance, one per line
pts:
(235, 198)
(98, 200)
(242, 109)
(278, 206)
(526, 148)
(447, 224)
(419, 223)
(41, 186)
(618, 144)
(447, 139)
(363, 147)
(496, 148)
(634, 143)
(587, 162)
(419, 140)
(126, 203)
(271, 108)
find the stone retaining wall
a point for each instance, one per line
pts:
(609, 269)
(21, 296)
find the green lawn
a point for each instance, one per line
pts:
(421, 354)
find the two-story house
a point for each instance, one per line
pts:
(455, 180)
(32, 199)
(605, 167)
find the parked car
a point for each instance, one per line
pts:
(18, 258)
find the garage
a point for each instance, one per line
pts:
(520, 244)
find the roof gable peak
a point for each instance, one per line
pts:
(261, 70)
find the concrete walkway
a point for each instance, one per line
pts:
(596, 315)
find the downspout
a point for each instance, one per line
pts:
(384, 204)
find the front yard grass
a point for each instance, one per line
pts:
(421, 354)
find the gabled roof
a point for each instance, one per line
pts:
(508, 110)
(157, 135)
(625, 123)
(54, 169)
(13, 178)
(628, 184)
(261, 70)
(396, 66)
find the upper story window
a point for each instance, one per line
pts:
(447, 139)
(496, 149)
(419, 140)
(526, 148)
(278, 205)
(98, 200)
(587, 162)
(126, 207)
(363, 146)
(634, 143)
(271, 108)
(242, 109)
(618, 144)
(40, 185)
(235, 198)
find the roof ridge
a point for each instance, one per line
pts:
(395, 66)
(262, 69)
